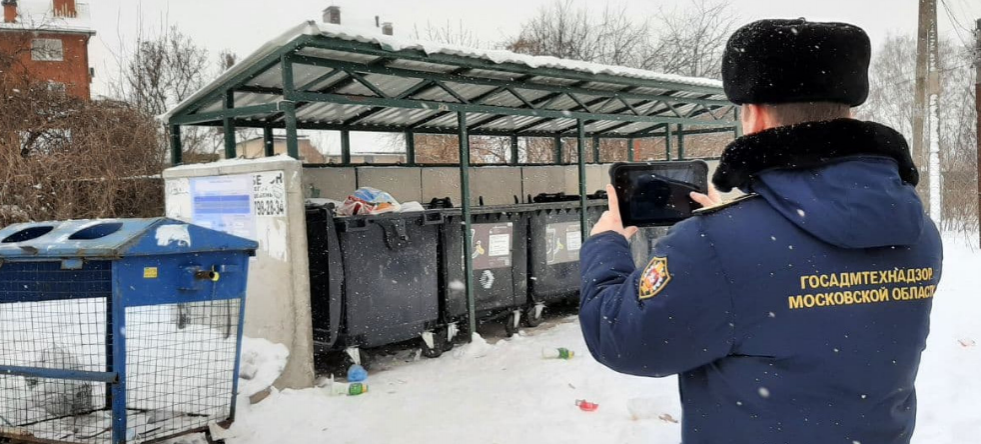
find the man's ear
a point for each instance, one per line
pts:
(753, 118)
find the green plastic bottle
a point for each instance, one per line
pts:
(336, 388)
(558, 353)
(357, 388)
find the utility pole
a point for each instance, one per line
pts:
(977, 107)
(926, 86)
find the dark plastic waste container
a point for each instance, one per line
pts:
(500, 264)
(555, 237)
(326, 276)
(387, 268)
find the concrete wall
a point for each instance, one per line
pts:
(330, 182)
(278, 299)
(546, 179)
(597, 177)
(497, 184)
(403, 183)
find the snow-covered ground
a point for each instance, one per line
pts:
(506, 393)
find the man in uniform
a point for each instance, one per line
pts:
(798, 313)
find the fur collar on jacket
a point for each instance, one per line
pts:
(810, 145)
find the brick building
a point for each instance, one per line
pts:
(254, 149)
(47, 40)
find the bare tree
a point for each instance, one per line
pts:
(691, 41)
(162, 71)
(565, 31)
(686, 42)
(891, 76)
(892, 80)
(226, 60)
(63, 157)
(459, 35)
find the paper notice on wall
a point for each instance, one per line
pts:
(224, 203)
(269, 194)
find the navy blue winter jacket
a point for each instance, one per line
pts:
(796, 315)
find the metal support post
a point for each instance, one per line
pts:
(292, 144)
(583, 203)
(345, 147)
(467, 237)
(176, 148)
(410, 148)
(268, 142)
(596, 150)
(681, 142)
(228, 124)
(558, 150)
(738, 129)
(514, 150)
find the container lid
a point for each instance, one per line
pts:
(113, 238)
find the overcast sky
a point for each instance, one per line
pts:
(244, 25)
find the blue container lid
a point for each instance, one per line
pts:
(113, 238)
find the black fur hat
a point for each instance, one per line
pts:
(787, 61)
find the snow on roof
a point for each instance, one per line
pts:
(38, 15)
(501, 56)
(396, 44)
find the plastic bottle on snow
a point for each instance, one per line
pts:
(337, 388)
(557, 353)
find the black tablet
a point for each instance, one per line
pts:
(657, 193)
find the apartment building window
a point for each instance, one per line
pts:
(56, 87)
(47, 50)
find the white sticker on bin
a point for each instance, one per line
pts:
(170, 234)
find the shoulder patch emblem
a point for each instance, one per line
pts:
(654, 278)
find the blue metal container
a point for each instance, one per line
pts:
(115, 331)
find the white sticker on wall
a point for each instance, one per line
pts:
(574, 240)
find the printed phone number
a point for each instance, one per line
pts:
(269, 207)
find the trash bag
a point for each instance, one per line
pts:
(367, 200)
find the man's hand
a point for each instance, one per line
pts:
(610, 220)
(707, 200)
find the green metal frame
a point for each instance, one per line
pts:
(632, 105)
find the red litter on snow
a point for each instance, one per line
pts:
(586, 406)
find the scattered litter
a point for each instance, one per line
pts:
(586, 406)
(558, 353)
(367, 200)
(357, 373)
(336, 388)
(967, 342)
(667, 418)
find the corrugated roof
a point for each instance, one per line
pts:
(379, 81)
